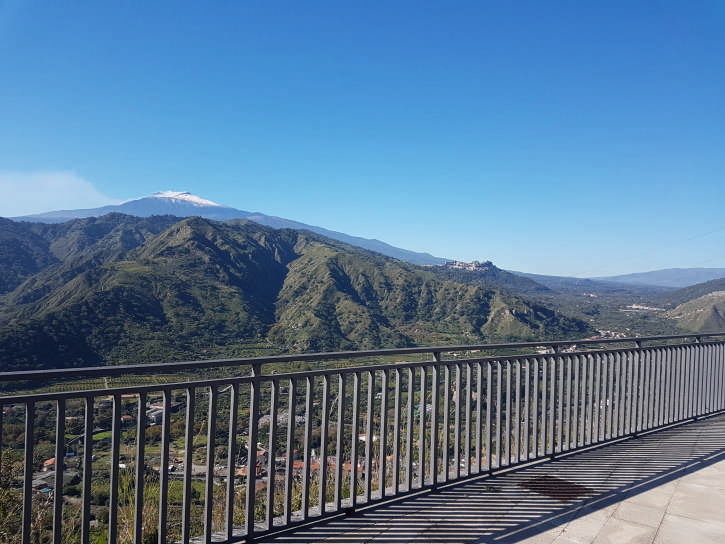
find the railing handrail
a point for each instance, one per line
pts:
(166, 368)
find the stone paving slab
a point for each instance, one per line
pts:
(661, 488)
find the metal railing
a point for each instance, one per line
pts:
(242, 453)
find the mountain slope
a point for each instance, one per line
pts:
(692, 292)
(183, 204)
(204, 289)
(703, 314)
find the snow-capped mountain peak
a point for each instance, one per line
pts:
(186, 197)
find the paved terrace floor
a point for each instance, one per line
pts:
(663, 487)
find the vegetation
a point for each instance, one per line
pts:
(121, 289)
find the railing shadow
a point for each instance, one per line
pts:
(527, 501)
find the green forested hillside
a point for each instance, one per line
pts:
(123, 289)
(692, 292)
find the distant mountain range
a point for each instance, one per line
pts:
(115, 288)
(670, 277)
(122, 288)
(184, 204)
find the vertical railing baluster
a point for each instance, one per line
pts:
(545, 429)
(209, 481)
(115, 469)
(59, 469)
(469, 408)
(691, 380)
(272, 453)
(665, 408)
(307, 449)
(720, 383)
(140, 468)
(355, 438)
(699, 394)
(517, 412)
(409, 431)
(607, 390)
(676, 357)
(652, 388)
(707, 355)
(322, 458)
(553, 422)
(530, 422)
(255, 393)
(164, 467)
(489, 407)
(188, 465)
(709, 382)
(435, 392)
(396, 433)
(685, 382)
(383, 440)
(720, 386)
(421, 428)
(339, 459)
(87, 469)
(507, 423)
(654, 371)
(669, 375)
(231, 460)
(499, 406)
(589, 362)
(568, 406)
(289, 467)
(446, 422)
(665, 386)
(641, 357)
(576, 406)
(28, 471)
(628, 392)
(617, 400)
(457, 425)
(646, 389)
(479, 416)
(369, 436)
(597, 411)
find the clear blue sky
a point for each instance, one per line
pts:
(569, 138)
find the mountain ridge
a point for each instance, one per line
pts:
(122, 288)
(184, 204)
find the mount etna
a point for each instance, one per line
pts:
(176, 277)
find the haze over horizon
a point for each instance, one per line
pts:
(561, 138)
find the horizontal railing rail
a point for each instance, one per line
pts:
(239, 456)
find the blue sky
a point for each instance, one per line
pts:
(559, 137)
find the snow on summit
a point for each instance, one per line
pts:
(186, 197)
